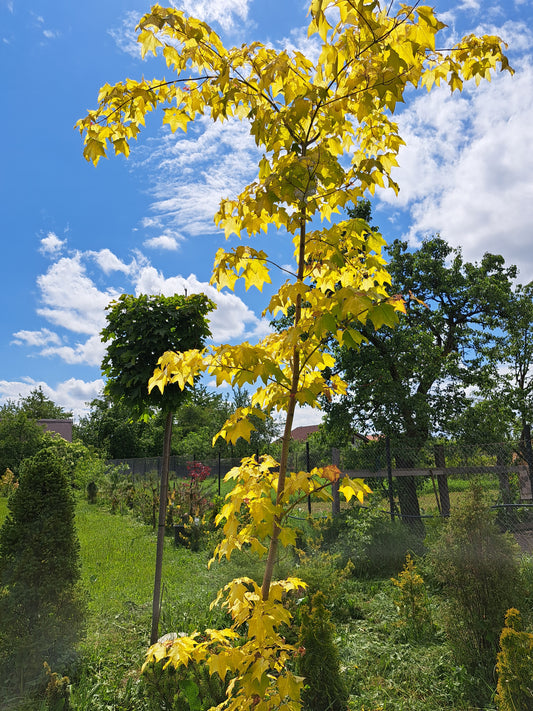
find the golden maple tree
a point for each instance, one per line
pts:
(328, 137)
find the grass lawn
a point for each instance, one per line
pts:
(383, 670)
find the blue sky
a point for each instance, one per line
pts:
(75, 236)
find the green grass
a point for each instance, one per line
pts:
(385, 673)
(3, 509)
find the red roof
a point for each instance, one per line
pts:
(300, 434)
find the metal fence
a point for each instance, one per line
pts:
(415, 483)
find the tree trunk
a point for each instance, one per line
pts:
(503, 478)
(163, 495)
(408, 496)
(286, 440)
(335, 485)
(442, 481)
(528, 451)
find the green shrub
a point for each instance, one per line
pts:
(321, 571)
(366, 536)
(319, 662)
(412, 603)
(515, 666)
(477, 569)
(41, 606)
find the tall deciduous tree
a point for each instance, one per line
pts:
(328, 137)
(138, 330)
(410, 382)
(20, 435)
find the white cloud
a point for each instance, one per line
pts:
(465, 173)
(90, 352)
(470, 5)
(70, 298)
(75, 394)
(517, 35)
(36, 338)
(51, 244)
(51, 34)
(232, 318)
(307, 415)
(166, 242)
(126, 37)
(229, 14)
(298, 41)
(225, 12)
(109, 262)
(74, 304)
(72, 394)
(192, 172)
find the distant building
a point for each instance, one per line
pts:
(60, 427)
(300, 434)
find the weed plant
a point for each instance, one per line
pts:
(412, 603)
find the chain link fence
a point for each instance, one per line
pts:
(413, 483)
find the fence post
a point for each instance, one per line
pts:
(308, 466)
(389, 476)
(336, 501)
(442, 480)
(219, 471)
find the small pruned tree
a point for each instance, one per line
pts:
(138, 329)
(328, 137)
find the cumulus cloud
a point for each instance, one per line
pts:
(74, 294)
(36, 338)
(464, 173)
(71, 299)
(109, 262)
(51, 245)
(72, 395)
(227, 13)
(89, 352)
(165, 242)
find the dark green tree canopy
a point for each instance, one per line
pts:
(411, 381)
(138, 331)
(39, 407)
